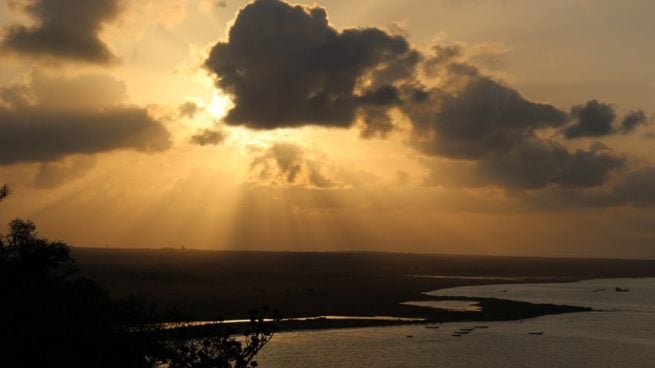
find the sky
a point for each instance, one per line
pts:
(500, 127)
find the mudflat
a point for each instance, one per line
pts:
(212, 285)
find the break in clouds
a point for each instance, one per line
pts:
(64, 29)
(286, 66)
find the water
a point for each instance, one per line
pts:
(621, 335)
(451, 305)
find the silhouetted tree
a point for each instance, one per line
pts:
(219, 348)
(50, 316)
(4, 192)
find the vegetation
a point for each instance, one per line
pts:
(51, 316)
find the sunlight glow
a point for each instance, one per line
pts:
(219, 106)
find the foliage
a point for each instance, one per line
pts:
(50, 316)
(4, 192)
(220, 348)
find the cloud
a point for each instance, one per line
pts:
(286, 66)
(593, 119)
(45, 124)
(34, 134)
(65, 29)
(208, 137)
(188, 109)
(538, 163)
(484, 118)
(290, 164)
(637, 187)
(531, 164)
(82, 92)
(54, 174)
(632, 120)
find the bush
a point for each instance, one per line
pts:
(50, 316)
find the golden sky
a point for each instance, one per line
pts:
(452, 126)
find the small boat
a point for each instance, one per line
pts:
(481, 326)
(466, 329)
(431, 326)
(597, 290)
(502, 291)
(618, 289)
(409, 336)
(536, 333)
(456, 335)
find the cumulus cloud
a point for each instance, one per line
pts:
(44, 125)
(539, 163)
(286, 66)
(65, 29)
(207, 137)
(531, 164)
(632, 120)
(486, 117)
(593, 119)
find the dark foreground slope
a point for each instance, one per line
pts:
(209, 285)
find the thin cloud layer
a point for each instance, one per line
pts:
(65, 29)
(38, 124)
(286, 66)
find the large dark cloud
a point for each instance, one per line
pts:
(285, 66)
(66, 29)
(486, 117)
(593, 119)
(536, 163)
(30, 135)
(39, 124)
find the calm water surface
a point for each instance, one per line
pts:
(621, 335)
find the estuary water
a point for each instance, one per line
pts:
(619, 333)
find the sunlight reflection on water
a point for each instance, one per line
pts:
(623, 335)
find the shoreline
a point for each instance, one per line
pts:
(491, 310)
(218, 286)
